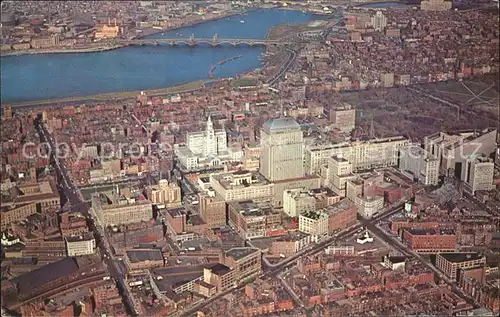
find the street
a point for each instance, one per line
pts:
(74, 199)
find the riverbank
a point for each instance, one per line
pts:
(62, 51)
(115, 96)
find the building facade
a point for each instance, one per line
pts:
(282, 145)
(423, 166)
(80, 245)
(450, 263)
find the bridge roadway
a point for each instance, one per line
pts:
(196, 41)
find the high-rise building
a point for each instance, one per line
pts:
(477, 174)
(339, 172)
(420, 163)
(379, 21)
(281, 150)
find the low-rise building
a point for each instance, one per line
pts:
(246, 262)
(430, 240)
(80, 245)
(341, 215)
(298, 201)
(451, 263)
(314, 223)
(290, 244)
(121, 208)
(241, 185)
(252, 218)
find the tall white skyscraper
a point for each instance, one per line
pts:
(282, 150)
(379, 21)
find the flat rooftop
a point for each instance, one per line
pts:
(253, 208)
(240, 253)
(461, 257)
(136, 256)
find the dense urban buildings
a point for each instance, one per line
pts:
(355, 173)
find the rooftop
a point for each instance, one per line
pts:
(280, 124)
(136, 256)
(240, 253)
(461, 257)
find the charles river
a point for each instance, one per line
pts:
(47, 76)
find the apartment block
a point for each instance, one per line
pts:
(451, 263)
(80, 245)
(314, 223)
(298, 201)
(164, 194)
(430, 240)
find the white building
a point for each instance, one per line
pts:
(420, 163)
(379, 21)
(80, 245)
(205, 149)
(477, 174)
(363, 155)
(282, 148)
(298, 201)
(315, 224)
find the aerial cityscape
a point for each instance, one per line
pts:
(250, 158)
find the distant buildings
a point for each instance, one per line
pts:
(435, 5)
(378, 21)
(281, 150)
(342, 116)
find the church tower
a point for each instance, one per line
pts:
(210, 148)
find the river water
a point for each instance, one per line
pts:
(46, 76)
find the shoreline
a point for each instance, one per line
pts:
(62, 51)
(115, 96)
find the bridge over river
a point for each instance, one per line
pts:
(192, 41)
